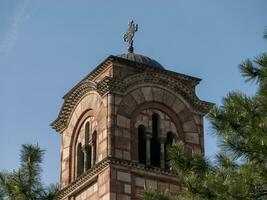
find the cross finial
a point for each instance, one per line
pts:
(128, 36)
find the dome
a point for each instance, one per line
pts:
(141, 59)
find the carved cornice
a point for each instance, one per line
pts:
(135, 166)
(186, 78)
(83, 179)
(110, 84)
(115, 59)
(70, 101)
(99, 69)
(179, 83)
(79, 183)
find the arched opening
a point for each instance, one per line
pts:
(167, 119)
(80, 160)
(154, 143)
(142, 144)
(169, 140)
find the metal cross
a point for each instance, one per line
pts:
(128, 36)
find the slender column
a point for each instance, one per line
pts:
(93, 154)
(85, 150)
(162, 141)
(148, 138)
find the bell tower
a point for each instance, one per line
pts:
(117, 123)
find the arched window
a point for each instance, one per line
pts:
(169, 140)
(141, 144)
(86, 148)
(154, 143)
(80, 160)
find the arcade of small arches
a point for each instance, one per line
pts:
(156, 133)
(86, 147)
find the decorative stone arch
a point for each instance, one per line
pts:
(181, 86)
(71, 100)
(90, 101)
(161, 79)
(88, 106)
(157, 97)
(157, 94)
(80, 122)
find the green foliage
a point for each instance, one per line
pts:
(240, 169)
(150, 194)
(25, 183)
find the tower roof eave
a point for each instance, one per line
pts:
(112, 59)
(88, 82)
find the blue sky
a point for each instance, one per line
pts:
(46, 47)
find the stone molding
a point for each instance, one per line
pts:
(70, 101)
(79, 183)
(112, 85)
(134, 166)
(118, 60)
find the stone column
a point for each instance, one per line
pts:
(93, 154)
(162, 141)
(85, 149)
(148, 138)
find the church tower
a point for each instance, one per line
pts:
(117, 123)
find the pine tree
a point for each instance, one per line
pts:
(240, 169)
(25, 183)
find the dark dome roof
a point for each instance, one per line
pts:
(141, 59)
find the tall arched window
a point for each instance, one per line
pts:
(169, 140)
(141, 144)
(154, 144)
(80, 160)
(85, 148)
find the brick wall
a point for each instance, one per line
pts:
(126, 184)
(99, 189)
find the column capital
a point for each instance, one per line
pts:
(162, 139)
(149, 127)
(85, 147)
(148, 136)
